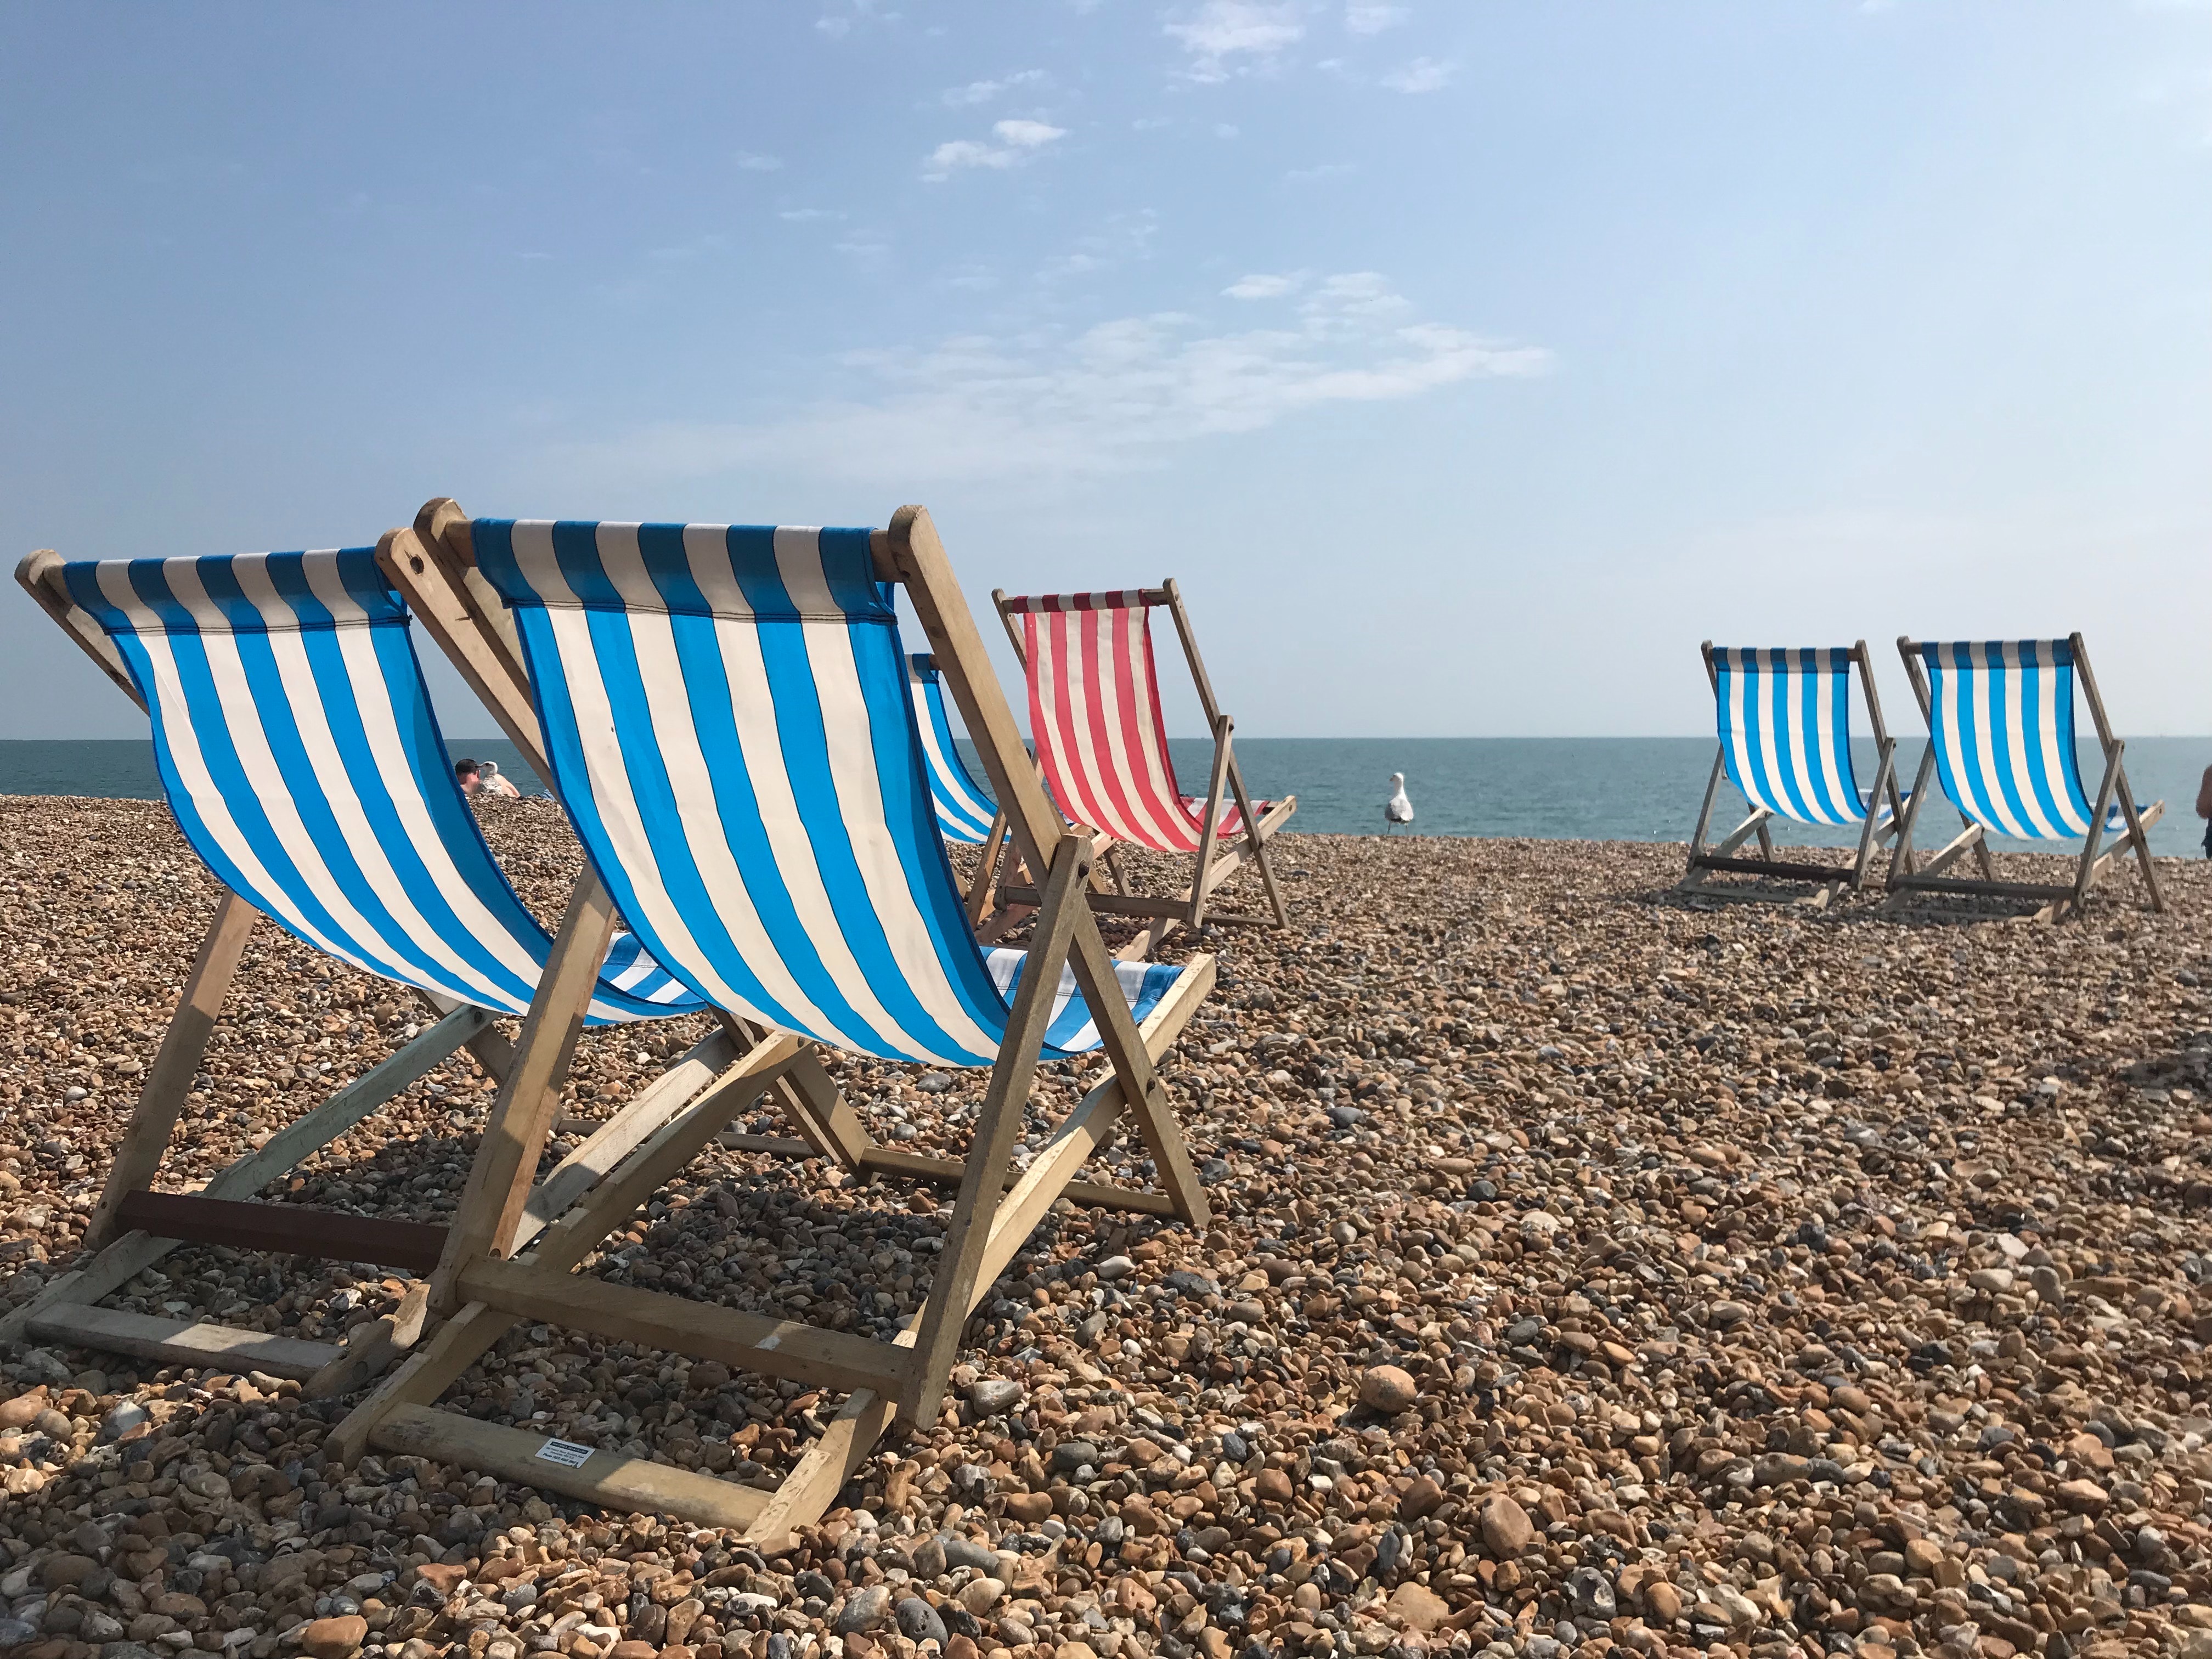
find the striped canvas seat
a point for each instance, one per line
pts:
(963, 810)
(727, 713)
(1095, 717)
(1785, 731)
(300, 755)
(2001, 725)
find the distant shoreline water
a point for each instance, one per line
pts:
(1641, 789)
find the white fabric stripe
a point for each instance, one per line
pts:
(1985, 710)
(607, 781)
(845, 727)
(207, 798)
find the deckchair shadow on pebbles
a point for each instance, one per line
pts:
(728, 726)
(1102, 741)
(2001, 744)
(1784, 716)
(301, 761)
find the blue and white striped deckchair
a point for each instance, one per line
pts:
(2001, 744)
(728, 720)
(964, 812)
(1784, 718)
(723, 708)
(300, 756)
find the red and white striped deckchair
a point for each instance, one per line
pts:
(1102, 744)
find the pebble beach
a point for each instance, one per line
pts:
(1589, 1271)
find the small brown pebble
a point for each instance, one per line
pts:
(634, 1650)
(1273, 1486)
(1420, 1498)
(1663, 1602)
(1417, 1607)
(334, 1638)
(1388, 1388)
(1506, 1529)
(1029, 1507)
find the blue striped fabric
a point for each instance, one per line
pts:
(2003, 730)
(726, 716)
(1785, 727)
(300, 755)
(963, 812)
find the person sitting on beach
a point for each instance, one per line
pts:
(2205, 809)
(493, 781)
(468, 774)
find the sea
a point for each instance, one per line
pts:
(1551, 788)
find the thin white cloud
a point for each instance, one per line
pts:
(982, 92)
(1224, 34)
(1372, 16)
(1422, 75)
(1028, 135)
(1260, 286)
(802, 216)
(1018, 140)
(753, 162)
(836, 27)
(1124, 393)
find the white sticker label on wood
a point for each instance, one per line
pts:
(567, 1453)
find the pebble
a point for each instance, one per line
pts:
(1798, 1281)
(334, 1638)
(1388, 1388)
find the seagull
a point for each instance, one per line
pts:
(1398, 809)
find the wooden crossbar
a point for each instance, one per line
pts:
(634, 1483)
(183, 1341)
(286, 1228)
(675, 1324)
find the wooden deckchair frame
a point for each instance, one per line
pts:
(2060, 899)
(132, 1227)
(1830, 881)
(493, 1278)
(1211, 867)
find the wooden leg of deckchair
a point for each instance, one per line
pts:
(169, 1079)
(463, 1338)
(810, 1101)
(1256, 836)
(491, 1205)
(1867, 834)
(124, 1258)
(984, 883)
(2086, 867)
(1692, 880)
(2139, 825)
(998, 1124)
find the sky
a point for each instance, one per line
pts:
(1468, 363)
